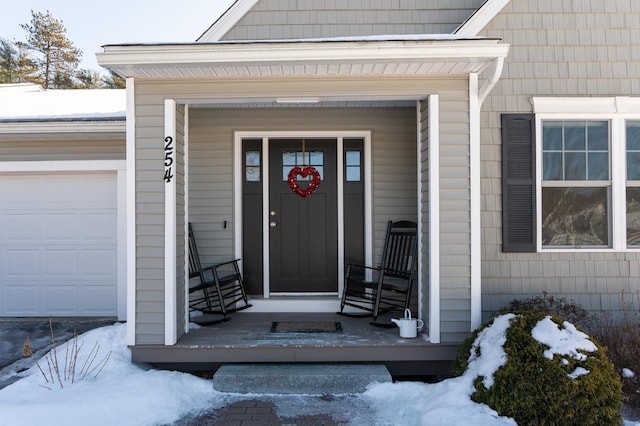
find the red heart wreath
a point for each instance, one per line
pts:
(307, 171)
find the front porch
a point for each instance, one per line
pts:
(246, 338)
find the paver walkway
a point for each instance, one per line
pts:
(254, 412)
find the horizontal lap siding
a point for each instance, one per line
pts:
(149, 216)
(180, 216)
(558, 48)
(63, 149)
(278, 19)
(455, 229)
(211, 182)
(211, 139)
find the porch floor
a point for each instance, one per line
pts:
(246, 338)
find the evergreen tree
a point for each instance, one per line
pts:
(112, 81)
(27, 69)
(57, 59)
(88, 79)
(16, 65)
(8, 62)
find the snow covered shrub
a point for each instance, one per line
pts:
(546, 373)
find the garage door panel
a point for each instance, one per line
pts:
(98, 192)
(98, 227)
(58, 244)
(95, 299)
(22, 300)
(21, 263)
(21, 227)
(60, 191)
(60, 263)
(19, 192)
(100, 263)
(60, 227)
(60, 300)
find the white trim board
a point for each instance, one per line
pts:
(481, 17)
(170, 302)
(227, 20)
(131, 212)
(475, 194)
(434, 218)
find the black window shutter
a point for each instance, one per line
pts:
(518, 183)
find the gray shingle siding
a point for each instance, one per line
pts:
(558, 48)
(284, 19)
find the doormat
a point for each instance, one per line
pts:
(306, 327)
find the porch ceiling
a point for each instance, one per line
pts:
(415, 57)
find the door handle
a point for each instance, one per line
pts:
(272, 224)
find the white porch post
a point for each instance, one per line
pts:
(475, 202)
(434, 216)
(131, 212)
(186, 218)
(170, 303)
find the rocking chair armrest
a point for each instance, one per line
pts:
(360, 266)
(217, 265)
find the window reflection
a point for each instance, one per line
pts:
(575, 216)
(252, 166)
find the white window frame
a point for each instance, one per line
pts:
(617, 111)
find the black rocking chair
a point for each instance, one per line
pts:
(388, 287)
(220, 290)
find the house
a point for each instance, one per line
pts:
(62, 215)
(506, 128)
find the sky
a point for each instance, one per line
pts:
(93, 24)
(116, 391)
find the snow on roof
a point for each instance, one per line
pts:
(63, 105)
(20, 87)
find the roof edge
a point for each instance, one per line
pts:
(206, 53)
(227, 20)
(481, 17)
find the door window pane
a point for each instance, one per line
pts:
(310, 158)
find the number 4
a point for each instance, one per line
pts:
(168, 175)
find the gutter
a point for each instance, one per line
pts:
(496, 72)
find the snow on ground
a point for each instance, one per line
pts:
(132, 394)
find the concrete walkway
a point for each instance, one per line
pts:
(253, 412)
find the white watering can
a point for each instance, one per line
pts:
(408, 326)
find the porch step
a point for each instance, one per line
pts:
(314, 379)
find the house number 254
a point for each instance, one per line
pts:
(168, 159)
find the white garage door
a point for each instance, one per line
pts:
(58, 244)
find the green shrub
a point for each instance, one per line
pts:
(536, 390)
(567, 309)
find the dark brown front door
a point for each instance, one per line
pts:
(303, 246)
